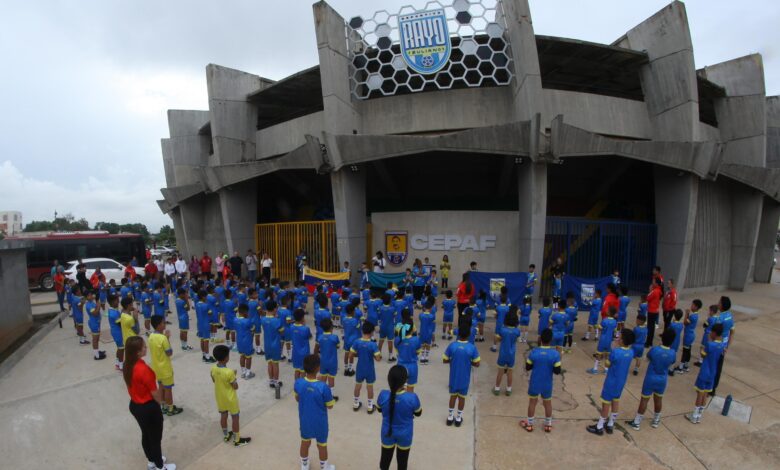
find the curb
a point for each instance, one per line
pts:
(22, 351)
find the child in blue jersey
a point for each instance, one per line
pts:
(559, 323)
(467, 322)
(77, 304)
(314, 400)
(502, 308)
(660, 359)
(525, 318)
(158, 298)
(399, 407)
(387, 326)
(255, 315)
(352, 332)
(203, 315)
(461, 356)
(301, 334)
(214, 303)
(183, 315)
(286, 318)
(321, 312)
(640, 335)
(327, 347)
(593, 316)
(642, 305)
(677, 325)
(604, 347)
(229, 310)
(342, 305)
(544, 318)
(448, 307)
(433, 283)
(365, 295)
(126, 291)
(543, 362)
(689, 334)
(372, 308)
(399, 304)
(102, 294)
(623, 308)
(507, 334)
(273, 331)
(712, 320)
(427, 329)
(572, 312)
(147, 304)
(705, 382)
(408, 345)
(530, 282)
(93, 320)
(244, 328)
(335, 312)
(366, 352)
(619, 363)
(408, 299)
(115, 326)
(481, 306)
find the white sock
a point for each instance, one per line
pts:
(451, 412)
(612, 418)
(304, 461)
(323, 464)
(638, 418)
(121, 365)
(460, 415)
(656, 416)
(96, 352)
(509, 389)
(596, 365)
(600, 424)
(587, 335)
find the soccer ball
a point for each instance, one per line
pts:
(427, 61)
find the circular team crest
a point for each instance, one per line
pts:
(425, 40)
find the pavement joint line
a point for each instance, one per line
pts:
(684, 444)
(58, 389)
(766, 394)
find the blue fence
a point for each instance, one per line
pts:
(593, 248)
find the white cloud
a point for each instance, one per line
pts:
(106, 193)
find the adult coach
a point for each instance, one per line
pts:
(653, 306)
(464, 293)
(265, 264)
(145, 399)
(670, 302)
(378, 262)
(726, 319)
(251, 266)
(205, 264)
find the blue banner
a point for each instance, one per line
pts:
(492, 283)
(380, 280)
(584, 289)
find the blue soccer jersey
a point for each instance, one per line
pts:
(203, 316)
(372, 311)
(427, 327)
(386, 322)
(244, 334)
(408, 348)
(543, 360)
(623, 308)
(461, 355)
(286, 318)
(619, 363)
(607, 328)
(78, 313)
(525, 315)
(544, 319)
(301, 334)
(314, 399)
(501, 311)
(352, 331)
(146, 304)
(365, 350)
(272, 338)
(661, 358)
(508, 347)
(642, 309)
(595, 311)
(677, 326)
(713, 350)
(319, 315)
(689, 330)
(448, 306)
(229, 310)
(255, 314)
(407, 404)
(329, 362)
(727, 319)
(182, 314)
(559, 323)
(116, 328)
(640, 335)
(159, 303)
(93, 317)
(572, 313)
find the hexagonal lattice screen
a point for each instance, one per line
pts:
(480, 56)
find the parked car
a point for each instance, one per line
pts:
(110, 268)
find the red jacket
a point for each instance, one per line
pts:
(205, 264)
(670, 299)
(150, 269)
(463, 297)
(610, 300)
(654, 300)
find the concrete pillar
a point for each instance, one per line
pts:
(746, 212)
(532, 208)
(773, 132)
(192, 224)
(527, 84)
(676, 200)
(349, 205)
(238, 204)
(742, 114)
(181, 243)
(767, 236)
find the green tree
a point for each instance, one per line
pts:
(166, 236)
(109, 227)
(39, 226)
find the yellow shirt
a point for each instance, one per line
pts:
(128, 323)
(161, 361)
(445, 269)
(227, 398)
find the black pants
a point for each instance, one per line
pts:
(717, 374)
(387, 458)
(686, 355)
(445, 282)
(150, 419)
(417, 292)
(668, 314)
(461, 308)
(267, 274)
(652, 319)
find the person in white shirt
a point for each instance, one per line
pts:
(159, 263)
(251, 266)
(170, 271)
(378, 261)
(181, 267)
(266, 264)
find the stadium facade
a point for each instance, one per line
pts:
(456, 129)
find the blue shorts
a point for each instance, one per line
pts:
(117, 337)
(426, 338)
(481, 317)
(605, 344)
(245, 348)
(287, 335)
(230, 322)
(78, 318)
(401, 440)
(557, 339)
(297, 362)
(593, 319)
(367, 376)
(639, 350)
(505, 362)
(448, 317)
(386, 332)
(258, 326)
(317, 432)
(411, 368)
(621, 317)
(329, 370)
(204, 331)
(146, 313)
(94, 325)
(459, 390)
(273, 354)
(609, 394)
(653, 385)
(184, 322)
(704, 384)
(525, 321)
(348, 342)
(543, 390)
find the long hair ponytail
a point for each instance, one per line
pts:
(396, 380)
(133, 347)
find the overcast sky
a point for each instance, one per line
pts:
(85, 85)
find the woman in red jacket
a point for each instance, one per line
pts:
(670, 302)
(611, 300)
(464, 293)
(653, 306)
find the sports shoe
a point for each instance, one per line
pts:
(635, 372)
(249, 375)
(458, 422)
(370, 408)
(685, 369)
(83, 342)
(592, 371)
(305, 466)
(186, 348)
(260, 353)
(101, 355)
(493, 348)
(209, 360)
(693, 419)
(671, 372)
(508, 393)
(609, 429)
(242, 442)
(357, 406)
(634, 425)
(656, 422)
(593, 429)
(174, 410)
(450, 420)
(392, 359)
(330, 466)
(151, 466)
(346, 373)
(443, 336)
(697, 363)
(584, 338)
(496, 391)
(228, 437)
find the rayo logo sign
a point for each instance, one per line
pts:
(451, 242)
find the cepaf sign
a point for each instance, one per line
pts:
(452, 242)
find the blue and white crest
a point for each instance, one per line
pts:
(425, 40)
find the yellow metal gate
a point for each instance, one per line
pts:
(283, 241)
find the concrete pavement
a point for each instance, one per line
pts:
(60, 408)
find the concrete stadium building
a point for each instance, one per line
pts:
(518, 149)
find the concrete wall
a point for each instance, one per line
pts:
(773, 132)
(601, 114)
(15, 311)
(287, 136)
(765, 246)
(676, 197)
(502, 225)
(711, 247)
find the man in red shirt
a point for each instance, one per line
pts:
(670, 302)
(205, 264)
(130, 272)
(150, 270)
(653, 306)
(59, 286)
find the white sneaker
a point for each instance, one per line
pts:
(304, 467)
(151, 466)
(249, 375)
(330, 467)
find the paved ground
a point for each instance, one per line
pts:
(61, 409)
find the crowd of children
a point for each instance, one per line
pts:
(270, 320)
